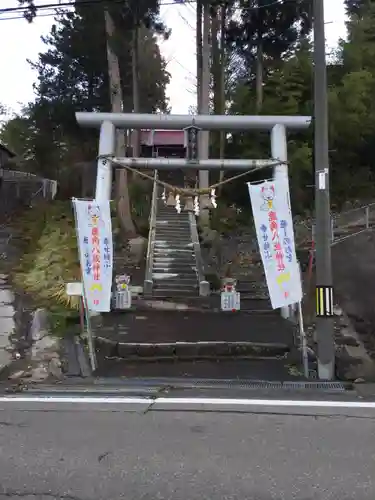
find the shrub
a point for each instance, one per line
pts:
(50, 257)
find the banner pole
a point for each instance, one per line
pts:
(90, 339)
(305, 357)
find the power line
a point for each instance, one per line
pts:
(57, 6)
(79, 3)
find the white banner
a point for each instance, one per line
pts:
(94, 234)
(274, 228)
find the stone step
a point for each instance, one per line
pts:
(174, 268)
(191, 350)
(175, 235)
(173, 259)
(186, 271)
(186, 266)
(173, 246)
(181, 238)
(173, 226)
(173, 229)
(172, 211)
(172, 251)
(184, 262)
(172, 215)
(182, 241)
(173, 292)
(168, 275)
(191, 288)
(183, 259)
(173, 240)
(171, 220)
(177, 283)
(189, 279)
(181, 271)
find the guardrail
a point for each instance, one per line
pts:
(204, 286)
(344, 225)
(148, 282)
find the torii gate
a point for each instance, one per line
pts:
(108, 123)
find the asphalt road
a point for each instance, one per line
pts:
(79, 455)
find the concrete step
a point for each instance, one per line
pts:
(173, 235)
(173, 220)
(170, 225)
(172, 251)
(185, 266)
(178, 269)
(178, 277)
(172, 292)
(193, 350)
(180, 281)
(165, 229)
(174, 258)
(174, 216)
(173, 245)
(168, 241)
(178, 238)
(181, 270)
(175, 241)
(184, 263)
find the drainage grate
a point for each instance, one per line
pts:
(298, 385)
(275, 385)
(227, 383)
(327, 386)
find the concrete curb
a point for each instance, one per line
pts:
(191, 350)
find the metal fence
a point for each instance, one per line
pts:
(343, 225)
(19, 189)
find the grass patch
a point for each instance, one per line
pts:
(49, 260)
(48, 245)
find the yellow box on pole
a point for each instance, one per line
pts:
(324, 301)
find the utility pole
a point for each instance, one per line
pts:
(324, 285)
(204, 109)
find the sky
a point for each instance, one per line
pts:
(20, 41)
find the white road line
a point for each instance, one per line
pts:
(267, 402)
(75, 400)
(188, 401)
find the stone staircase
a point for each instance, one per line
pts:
(174, 266)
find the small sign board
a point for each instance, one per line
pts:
(123, 295)
(192, 134)
(230, 301)
(74, 289)
(123, 299)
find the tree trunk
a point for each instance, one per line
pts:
(216, 74)
(223, 65)
(122, 192)
(259, 75)
(199, 44)
(136, 143)
(205, 108)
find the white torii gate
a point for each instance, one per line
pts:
(108, 123)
